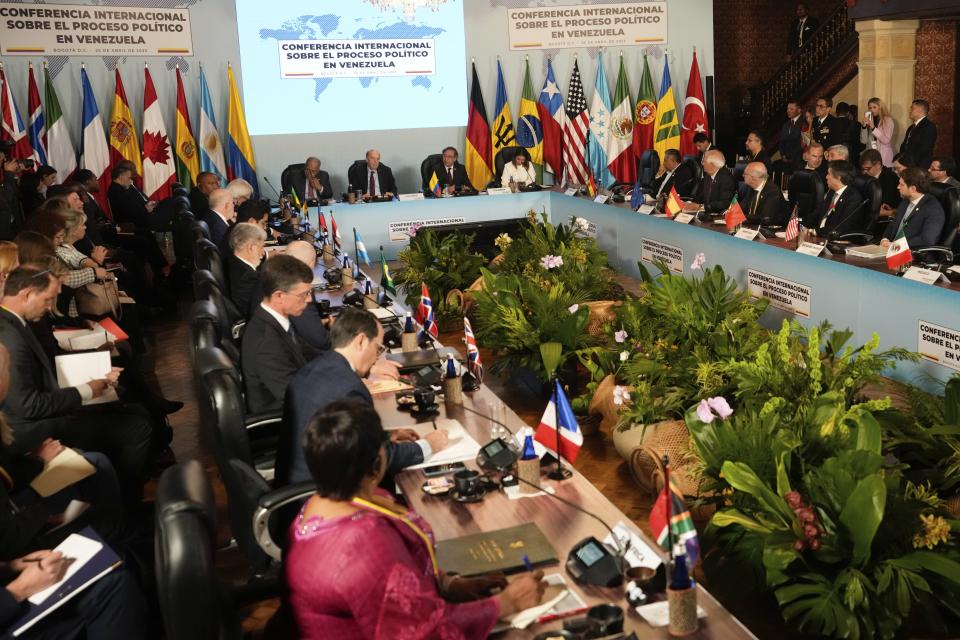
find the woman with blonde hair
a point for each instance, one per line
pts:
(9, 260)
(879, 124)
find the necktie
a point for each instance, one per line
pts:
(756, 203)
(293, 335)
(800, 40)
(833, 205)
(309, 194)
(906, 216)
(450, 175)
(372, 187)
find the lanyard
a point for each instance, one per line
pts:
(360, 502)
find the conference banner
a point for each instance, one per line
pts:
(654, 251)
(384, 58)
(783, 294)
(939, 344)
(588, 25)
(401, 230)
(93, 30)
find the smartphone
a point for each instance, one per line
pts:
(443, 469)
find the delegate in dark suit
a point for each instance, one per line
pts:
(790, 140)
(846, 217)
(11, 214)
(244, 285)
(918, 142)
(269, 358)
(219, 230)
(767, 206)
(801, 32)
(360, 178)
(716, 193)
(298, 182)
(827, 132)
(458, 178)
(924, 226)
(313, 335)
(326, 378)
(682, 179)
(128, 206)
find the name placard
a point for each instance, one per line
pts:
(406, 197)
(572, 191)
(939, 344)
(498, 191)
(747, 234)
(926, 276)
(782, 294)
(683, 218)
(645, 209)
(810, 249)
(400, 231)
(652, 250)
(601, 199)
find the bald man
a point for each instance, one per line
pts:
(374, 179)
(716, 190)
(219, 217)
(765, 204)
(312, 185)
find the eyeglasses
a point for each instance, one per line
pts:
(937, 169)
(306, 295)
(382, 349)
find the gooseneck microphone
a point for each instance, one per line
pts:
(270, 184)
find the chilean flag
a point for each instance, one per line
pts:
(570, 438)
(94, 153)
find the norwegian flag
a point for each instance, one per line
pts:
(473, 352)
(425, 311)
(793, 227)
(575, 128)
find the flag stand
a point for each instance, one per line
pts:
(666, 482)
(560, 473)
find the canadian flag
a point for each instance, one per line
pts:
(159, 167)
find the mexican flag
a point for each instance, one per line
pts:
(620, 156)
(898, 253)
(60, 150)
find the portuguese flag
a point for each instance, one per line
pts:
(645, 113)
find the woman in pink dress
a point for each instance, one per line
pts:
(360, 566)
(879, 124)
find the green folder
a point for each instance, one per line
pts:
(500, 550)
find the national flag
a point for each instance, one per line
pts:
(600, 128)
(474, 366)
(667, 129)
(322, 223)
(674, 204)
(94, 154)
(502, 134)
(123, 135)
(334, 232)
(478, 158)
(435, 187)
(793, 227)
(694, 111)
(425, 311)
(360, 248)
(188, 164)
(734, 216)
(240, 162)
(591, 186)
(552, 117)
(294, 200)
(670, 507)
(13, 130)
(898, 253)
(159, 168)
(645, 113)
(36, 128)
(211, 150)
(570, 437)
(61, 153)
(576, 126)
(529, 128)
(386, 282)
(620, 158)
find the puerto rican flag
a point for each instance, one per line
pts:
(570, 437)
(473, 352)
(425, 311)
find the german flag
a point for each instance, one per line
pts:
(478, 157)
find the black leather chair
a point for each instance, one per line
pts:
(208, 257)
(947, 251)
(244, 447)
(200, 230)
(229, 320)
(286, 176)
(183, 241)
(206, 331)
(870, 190)
(426, 170)
(649, 166)
(505, 155)
(357, 172)
(805, 190)
(193, 602)
(696, 170)
(738, 170)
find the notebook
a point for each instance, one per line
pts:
(67, 468)
(80, 368)
(500, 550)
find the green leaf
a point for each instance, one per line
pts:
(551, 352)
(742, 478)
(951, 400)
(930, 561)
(862, 514)
(783, 482)
(868, 433)
(728, 517)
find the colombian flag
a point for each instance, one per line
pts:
(240, 162)
(435, 185)
(478, 158)
(666, 131)
(188, 164)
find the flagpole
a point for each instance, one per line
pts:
(666, 481)
(559, 473)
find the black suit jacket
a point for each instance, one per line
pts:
(128, 206)
(716, 193)
(314, 337)
(763, 157)
(360, 178)
(794, 40)
(326, 378)
(767, 206)
(924, 226)
(790, 146)
(847, 217)
(244, 285)
(888, 187)
(682, 179)
(219, 230)
(35, 404)
(919, 141)
(199, 202)
(269, 358)
(460, 178)
(298, 182)
(11, 214)
(829, 132)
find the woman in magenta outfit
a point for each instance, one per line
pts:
(361, 566)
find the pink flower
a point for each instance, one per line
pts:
(620, 336)
(620, 395)
(698, 261)
(573, 308)
(704, 413)
(551, 262)
(412, 231)
(720, 406)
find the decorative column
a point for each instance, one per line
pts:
(886, 64)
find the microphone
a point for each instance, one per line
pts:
(483, 415)
(270, 184)
(834, 235)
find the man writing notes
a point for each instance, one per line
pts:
(452, 175)
(717, 187)
(312, 185)
(919, 214)
(375, 180)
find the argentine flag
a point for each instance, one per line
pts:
(211, 149)
(361, 248)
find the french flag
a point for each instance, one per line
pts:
(94, 152)
(571, 438)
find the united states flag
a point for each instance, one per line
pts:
(473, 352)
(425, 311)
(575, 128)
(793, 227)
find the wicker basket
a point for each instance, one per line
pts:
(953, 507)
(601, 314)
(601, 404)
(673, 440)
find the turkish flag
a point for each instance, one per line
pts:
(694, 112)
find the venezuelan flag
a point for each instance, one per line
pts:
(240, 162)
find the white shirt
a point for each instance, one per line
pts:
(666, 177)
(282, 319)
(517, 174)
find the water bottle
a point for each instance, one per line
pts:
(451, 368)
(529, 452)
(408, 323)
(681, 573)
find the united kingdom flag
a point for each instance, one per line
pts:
(473, 352)
(425, 311)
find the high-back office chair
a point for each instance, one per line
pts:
(872, 194)
(696, 170)
(193, 602)
(286, 176)
(649, 166)
(505, 155)
(208, 258)
(205, 329)
(426, 170)
(738, 170)
(229, 319)
(947, 251)
(806, 190)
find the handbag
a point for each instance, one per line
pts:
(100, 298)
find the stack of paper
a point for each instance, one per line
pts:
(76, 369)
(67, 468)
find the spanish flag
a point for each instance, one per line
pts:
(674, 204)
(666, 131)
(477, 157)
(188, 164)
(240, 162)
(123, 135)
